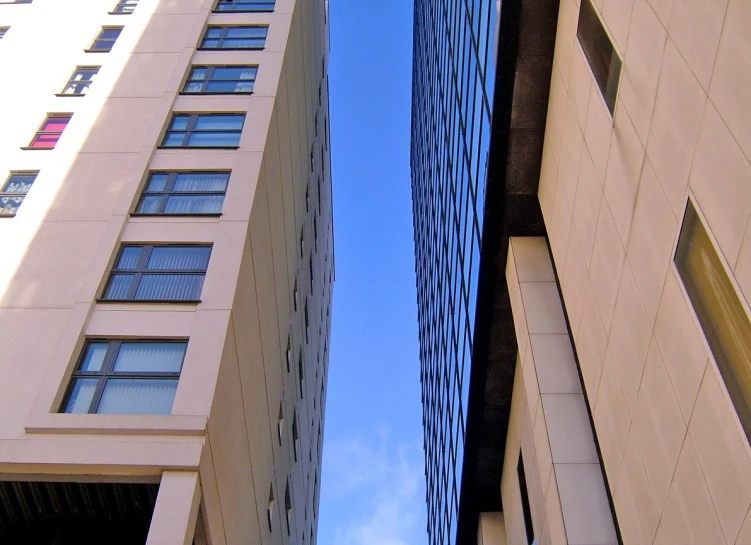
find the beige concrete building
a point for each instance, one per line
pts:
(166, 271)
(612, 357)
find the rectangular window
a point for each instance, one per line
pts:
(288, 508)
(183, 193)
(601, 55)
(124, 7)
(719, 310)
(235, 37)
(295, 437)
(158, 273)
(3, 31)
(14, 191)
(126, 377)
(50, 131)
(270, 509)
(244, 5)
(221, 80)
(526, 509)
(80, 81)
(204, 131)
(105, 40)
(301, 376)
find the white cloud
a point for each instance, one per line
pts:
(380, 486)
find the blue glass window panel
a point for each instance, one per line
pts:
(180, 123)
(214, 32)
(247, 32)
(110, 33)
(198, 74)
(193, 87)
(9, 205)
(229, 87)
(129, 256)
(219, 122)
(201, 182)
(174, 140)
(169, 287)
(138, 396)
(157, 182)
(194, 204)
(214, 140)
(81, 394)
(232, 73)
(149, 205)
(19, 183)
(94, 357)
(118, 286)
(150, 357)
(210, 43)
(179, 258)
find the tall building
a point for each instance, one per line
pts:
(609, 399)
(166, 272)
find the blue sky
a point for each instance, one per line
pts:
(373, 486)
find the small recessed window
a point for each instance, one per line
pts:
(244, 5)
(204, 131)
(183, 193)
(235, 37)
(526, 509)
(270, 509)
(126, 377)
(288, 508)
(3, 31)
(105, 40)
(280, 423)
(14, 191)
(125, 7)
(601, 55)
(158, 273)
(50, 131)
(289, 353)
(720, 311)
(295, 437)
(221, 79)
(301, 376)
(80, 81)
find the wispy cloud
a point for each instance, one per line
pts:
(380, 486)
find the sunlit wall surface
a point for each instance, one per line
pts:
(451, 113)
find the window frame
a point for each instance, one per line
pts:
(243, 2)
(107, 371)
(193, 119)
(141, 270)
(41, 132)
(72, 81)
(6, 194)
(211, 69)
(172, 176)
(92, 49)
(609, 87)
(124, 4)
(223, 36)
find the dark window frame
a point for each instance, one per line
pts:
(193, 119)
(5, 194)
(83, 83)
(169, 191)
(141, 270)
(100, 40)
(210, 70)
(603, 59)
(123, 7)
(41, 132)
(236, 3)
(224, 29)
(107, 371)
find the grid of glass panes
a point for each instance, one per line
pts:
(204, 131)
(158, 273)
(14, 191)
(235, 37)
(184, 193)
(80, 81)
(125, 6)
(244, 5)
(221, 79)
(126, 377)
(106, 39)
(50, 131)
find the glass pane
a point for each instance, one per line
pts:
(102, 45)
(157, 183)
(81, 394)
(118, 286)
(226, 73)
(214, 32)
(229, 87)
(173, 139)
(247, 32)
(110, 33)
(94, 356)
(150, 357)
(198, 74)
(76, 89)
(179, 258)
(137, 396)
(210, 181)
(19, 183)
(219, 122)
(210, 44)
(45, 141)
(194, 204)
(180, 123)
(149, 205)
(170, 287)
(129, 257)
(9, 205)
(213, 140)
(193, 87)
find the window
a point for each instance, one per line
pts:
(301, 376)
(235, 37)
(158, 273)
(50, 131)
(601, 55)
(288, 507)
(280, 423)
(719, 310)
(270, 510)
(3, 31)
(526, 509)
(221, 79)
(295, 437)
(80, 81)
(289, 353)
(244, 5)
(106, 39)
(124, 7)
(204, 131)
(183, 193)
(126, 377)
(14, 191)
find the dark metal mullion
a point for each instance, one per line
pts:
(144, 375)
(143, 260)
(107, 365)
(191, 193)
(168, 186)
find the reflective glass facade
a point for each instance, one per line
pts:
(454, 72)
